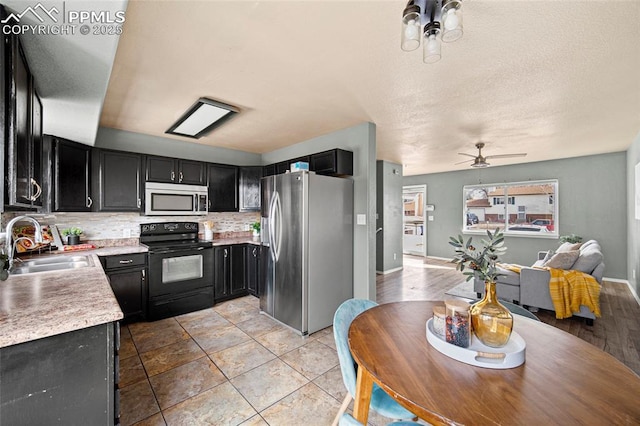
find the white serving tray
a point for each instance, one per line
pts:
(509, 356)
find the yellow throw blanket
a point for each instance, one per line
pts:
(569, 289)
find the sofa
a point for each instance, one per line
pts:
(530, 288)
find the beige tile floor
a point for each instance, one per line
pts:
(228, 365)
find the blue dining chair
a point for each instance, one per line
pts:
(381, 402)
(347, 420)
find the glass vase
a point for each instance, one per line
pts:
(492, 322)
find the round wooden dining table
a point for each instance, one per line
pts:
(564, 380)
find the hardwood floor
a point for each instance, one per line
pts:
(617, 332)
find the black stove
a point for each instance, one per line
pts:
(180, 269)
(170, 235)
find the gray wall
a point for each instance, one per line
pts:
(633, 224)
(390, 214)
(593, 204)
(361, 139)
(147, 144)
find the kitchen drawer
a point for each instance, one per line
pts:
(124, 260)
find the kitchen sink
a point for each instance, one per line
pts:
(52, 263)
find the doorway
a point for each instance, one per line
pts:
(414, 239)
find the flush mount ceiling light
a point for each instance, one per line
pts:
(204, 116)
(434, 21)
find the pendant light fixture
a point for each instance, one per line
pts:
(435, 21)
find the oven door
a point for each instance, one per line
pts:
(175, 271)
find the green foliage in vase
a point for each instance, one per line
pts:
(573, 238)
(255, 226)
(481, 261)
(72, 231)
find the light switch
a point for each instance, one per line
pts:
(361, 219)
(430, 218)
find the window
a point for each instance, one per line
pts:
(492, 206)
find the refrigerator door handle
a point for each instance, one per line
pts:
(278, 209)
(272, 224)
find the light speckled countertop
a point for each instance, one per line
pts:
(34, 306)
(237, 240)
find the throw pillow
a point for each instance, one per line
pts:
(563, 260)
(568, 247)
(548, 256)
(588, 260)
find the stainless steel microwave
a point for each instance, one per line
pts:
(173, 199)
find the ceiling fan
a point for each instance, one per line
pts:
(481, 161)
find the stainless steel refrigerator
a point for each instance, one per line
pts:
(307, 238)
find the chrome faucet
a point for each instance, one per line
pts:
(9, 247)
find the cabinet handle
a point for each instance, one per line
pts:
(89, 202)
(225, 253)
(173, 175)
(144, 274)
(254, 252)
(35, 196)
(180, 177)
(126, 262)
(139, 202)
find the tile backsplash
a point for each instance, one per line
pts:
(107, 226)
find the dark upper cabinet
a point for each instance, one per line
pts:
(223, 188)
(252, 268)
(249, 189)
(335, 162)
(192, 172)
(70, 175)
(282, 167)
(171, 170)
(269, 170)
(23, 130)
(117, 181)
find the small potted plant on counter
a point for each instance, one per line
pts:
(256, 229)
(73, 235)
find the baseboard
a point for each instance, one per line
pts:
(389, 271)
(446, 259)
(631, 289)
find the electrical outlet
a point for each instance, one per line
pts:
(126, 233)
(633, 273)
(395, 256)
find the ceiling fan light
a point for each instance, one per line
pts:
(411, 28)
(451, 20)
(431, 49)
(480, 164)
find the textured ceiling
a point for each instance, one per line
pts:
(553, 79)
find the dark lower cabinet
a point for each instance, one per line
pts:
(117, 181)
(252, 268)
(66, 379)
(127, 275)
(229, 274)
